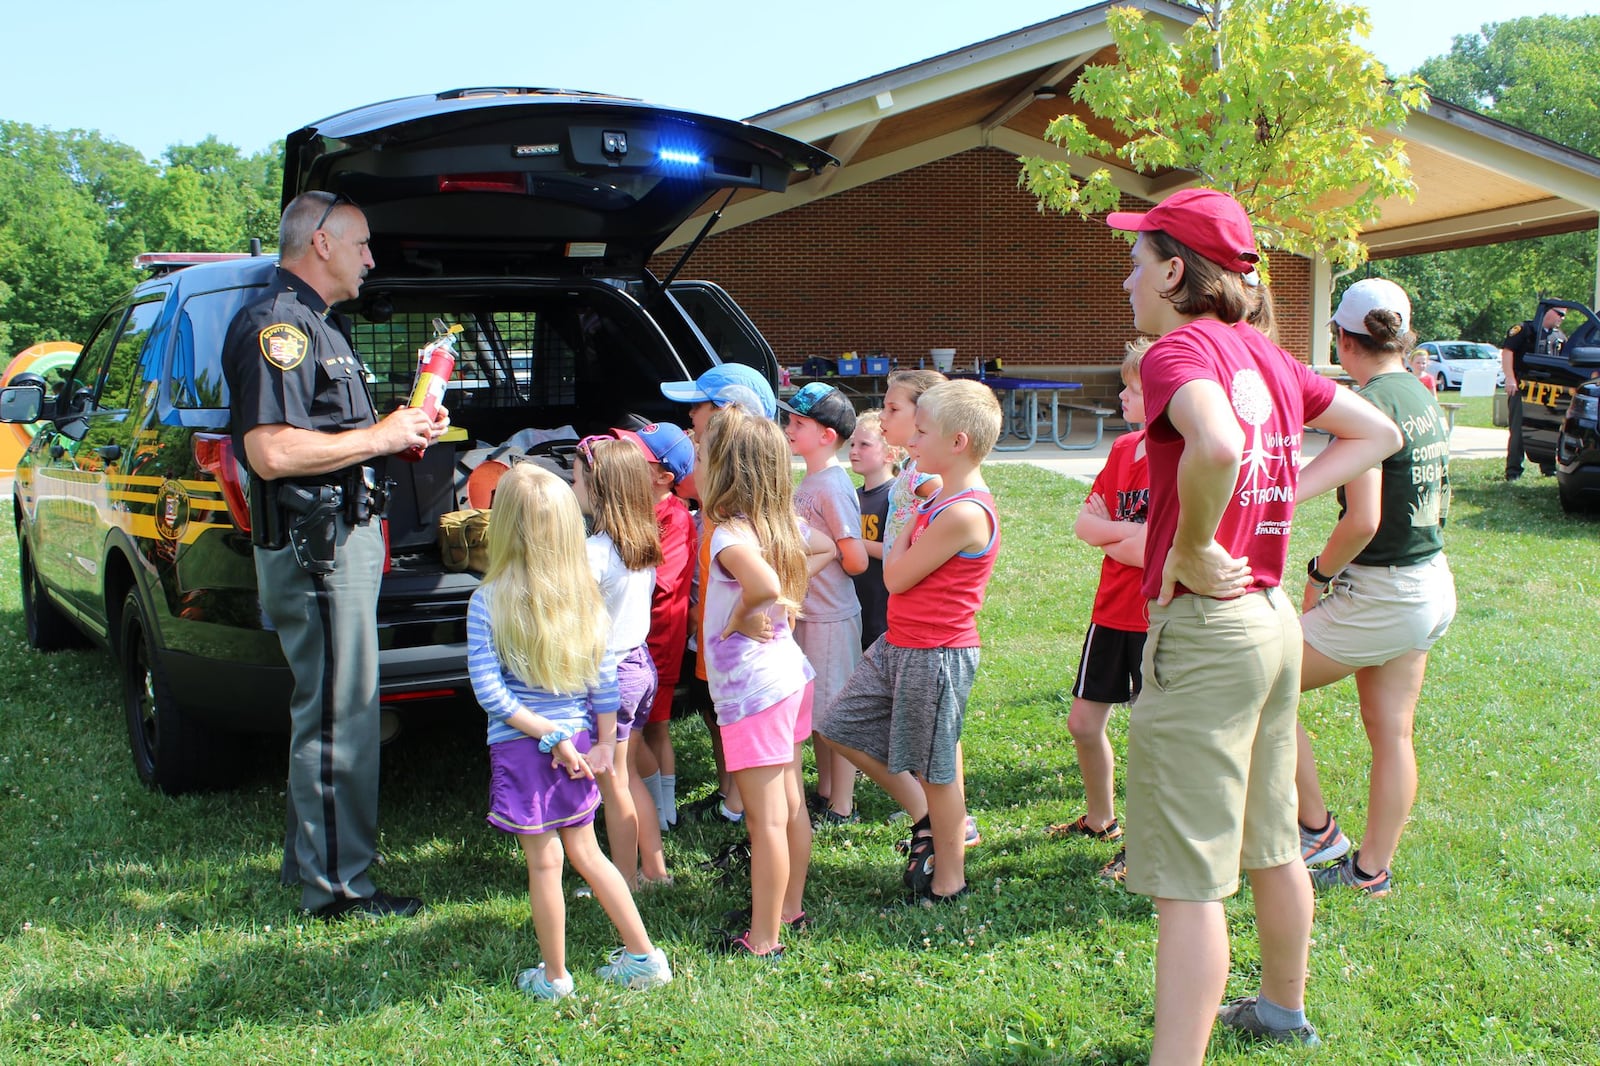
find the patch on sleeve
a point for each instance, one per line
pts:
(1515, 330)
(283, 345)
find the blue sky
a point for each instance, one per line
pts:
(172, 71)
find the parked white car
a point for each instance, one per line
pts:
(1449, 360)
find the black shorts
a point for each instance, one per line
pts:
(1109, 669)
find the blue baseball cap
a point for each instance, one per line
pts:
(723, 384)
(664, 443)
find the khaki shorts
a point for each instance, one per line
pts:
(1373, 614)
(1211, 746)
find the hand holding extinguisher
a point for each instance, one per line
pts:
(435, 363)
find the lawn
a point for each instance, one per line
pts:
(140, 928)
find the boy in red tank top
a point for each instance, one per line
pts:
(899, 718)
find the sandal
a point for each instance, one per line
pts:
(740, 946)
(918, 873)
(1082, 828)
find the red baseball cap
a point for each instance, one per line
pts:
(1211, 222)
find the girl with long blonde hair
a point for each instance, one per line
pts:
(536, 638)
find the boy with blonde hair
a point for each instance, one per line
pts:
(899, 719)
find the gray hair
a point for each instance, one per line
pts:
(300, 219)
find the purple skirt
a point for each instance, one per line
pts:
(529, 796)
(636, 683)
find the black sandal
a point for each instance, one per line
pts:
(918, 874)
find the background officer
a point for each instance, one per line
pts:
(303, 421)
(1522, 339)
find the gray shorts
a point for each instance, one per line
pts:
(905, 708)
(833, 649)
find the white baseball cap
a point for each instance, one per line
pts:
(1372, 294)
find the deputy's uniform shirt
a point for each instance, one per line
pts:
(1524, 339)
(288, 361)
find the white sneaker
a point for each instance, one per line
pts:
(638, 974)
(537, 985)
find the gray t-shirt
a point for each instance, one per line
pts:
(826, 501)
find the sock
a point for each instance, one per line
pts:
(1355, 866)
(1322, 829)
(1275, 1017)
(669, 797)
(652, 785)
(732, 816)
(638, 958)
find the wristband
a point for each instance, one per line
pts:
(1316, 576)
(550, 740)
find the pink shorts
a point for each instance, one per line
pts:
(768, 738)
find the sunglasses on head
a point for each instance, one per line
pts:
(586, 447)
(338, 199)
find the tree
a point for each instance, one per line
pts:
(1269, 100)
(75, 209)
(1537, 73)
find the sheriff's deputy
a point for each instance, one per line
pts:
(305, 425)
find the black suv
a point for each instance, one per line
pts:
(525, 215)
(1559, 392)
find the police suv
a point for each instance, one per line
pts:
(1560, 392)
(525, 215)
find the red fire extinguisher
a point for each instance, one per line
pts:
(435, 363)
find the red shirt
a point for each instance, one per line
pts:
(1124, 484)
(941, 610)
(1272, 395)
(669, 604)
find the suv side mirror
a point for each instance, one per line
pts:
(22, 403)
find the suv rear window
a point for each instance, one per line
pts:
(197, 380)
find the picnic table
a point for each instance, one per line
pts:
(1024, 397)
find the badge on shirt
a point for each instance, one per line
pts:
(1515, 330)
(283, 345)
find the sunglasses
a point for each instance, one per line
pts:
(338, 199)
(586, 447)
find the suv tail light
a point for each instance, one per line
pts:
(509, 182)
(214, 453)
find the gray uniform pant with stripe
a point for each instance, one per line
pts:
(328, 627)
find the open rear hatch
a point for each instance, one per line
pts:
(531, 181)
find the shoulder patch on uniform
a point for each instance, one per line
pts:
(1516, 329)
(283, 345)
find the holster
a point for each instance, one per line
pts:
(313, 523)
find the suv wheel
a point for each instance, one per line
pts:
(171, 752)
(47, 627)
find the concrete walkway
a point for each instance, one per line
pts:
(1466, 442)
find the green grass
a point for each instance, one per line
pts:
(139, 928)
(1475, 411)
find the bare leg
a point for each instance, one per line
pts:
(905, 789)
(1191, 972)
(622, 818)
(767, 818)
(659, 736)
(1283, 921)
(1316, 670)
(799, 837)
(652, 860)
(842, 795)
(1388, 710)
(610, 890)
(823, 752)
(947, 811)
(548, 908)
(1096, 763)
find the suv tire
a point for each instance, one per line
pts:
(171, 752)
(46, 626)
